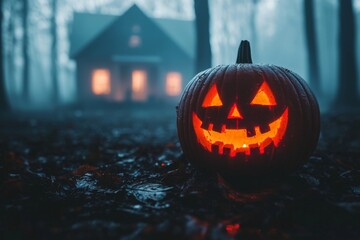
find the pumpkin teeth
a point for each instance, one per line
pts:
(250, 132)
(205, 125)
(217, 128)
(264, 128)
(234, 141)
(228, 149)
(217, 147)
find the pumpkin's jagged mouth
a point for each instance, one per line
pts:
(236, 140)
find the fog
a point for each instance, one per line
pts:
(275, 29)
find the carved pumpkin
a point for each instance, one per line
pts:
(247, 119)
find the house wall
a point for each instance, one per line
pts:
(184, 66)
(120, 86)
(85, 69)
(113, 44)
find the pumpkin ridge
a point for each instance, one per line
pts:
(237, 85)
(304, 128)
(197, 81)
(315, 109)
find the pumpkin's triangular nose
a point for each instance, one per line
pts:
(234, 112)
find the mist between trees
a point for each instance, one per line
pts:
(309, 37)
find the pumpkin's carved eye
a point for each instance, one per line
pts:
(212, 98)
(264, 96)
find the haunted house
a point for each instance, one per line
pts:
(132, 57)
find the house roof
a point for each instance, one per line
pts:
(86, 27)
(180, 31)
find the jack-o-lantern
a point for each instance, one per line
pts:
(247, 119)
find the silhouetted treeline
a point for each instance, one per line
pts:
(54, 51)
(347, 90)
(25, 51)
(33, 46)
(311, 42)
(3, 100)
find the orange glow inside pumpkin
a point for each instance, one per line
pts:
(237, 140)
(264, 96)
(234, 112)
(212, 98)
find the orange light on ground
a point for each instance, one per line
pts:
(100, 83)
(139, 85)
(173, 84)
(232, 229)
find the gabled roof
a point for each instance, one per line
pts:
(180, 31)
(86, 27)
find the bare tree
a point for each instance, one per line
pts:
(203, 48)
(311, 41)
(25, 51)
(4, 105)
(347, 91)
(54, 51)
(11, 43)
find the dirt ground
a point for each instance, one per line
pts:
(120, 173)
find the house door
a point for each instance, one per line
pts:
(140, 80)
(139, 85)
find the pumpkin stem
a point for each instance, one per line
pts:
(244, 52)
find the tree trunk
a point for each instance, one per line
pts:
(25, 51)
(311, 41)
(203, 48)
(4, 105)
(54, 52)
(347, 91)
(11, 42)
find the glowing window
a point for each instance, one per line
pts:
(134, 41)
(100, 83)
(139, 85)
(136, 28)
(173, 84)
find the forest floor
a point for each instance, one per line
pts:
(120, 173)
